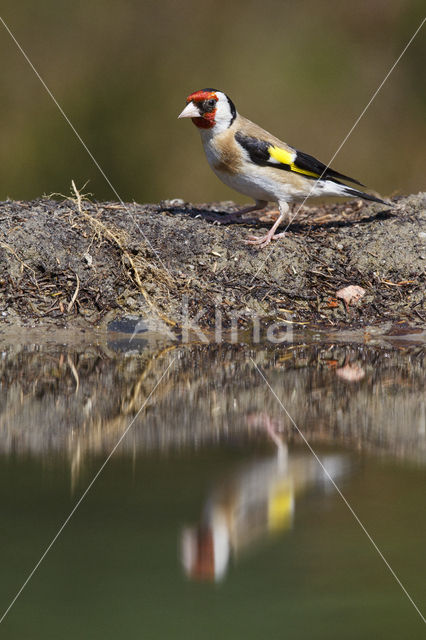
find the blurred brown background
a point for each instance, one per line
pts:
(121, 71)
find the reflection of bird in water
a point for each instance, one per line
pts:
(256, 501)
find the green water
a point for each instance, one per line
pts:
(297, 566)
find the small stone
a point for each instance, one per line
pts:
(128, 324)
(173, 202)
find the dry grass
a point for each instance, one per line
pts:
(139, 266)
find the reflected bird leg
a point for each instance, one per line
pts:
(282, 449)
(264, 421)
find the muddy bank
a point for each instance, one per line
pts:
(85, 264)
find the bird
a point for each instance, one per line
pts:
(258, 164)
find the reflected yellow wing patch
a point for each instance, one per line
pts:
(280, 507)
(288, 157)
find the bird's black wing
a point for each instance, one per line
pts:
(264, 153)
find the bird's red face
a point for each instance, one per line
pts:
(201, 106)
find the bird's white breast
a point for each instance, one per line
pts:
(259, 183)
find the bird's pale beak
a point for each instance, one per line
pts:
(190, 111)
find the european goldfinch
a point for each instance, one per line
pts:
(257, 164)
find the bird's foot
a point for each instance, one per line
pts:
(269, 216)
(263, 241)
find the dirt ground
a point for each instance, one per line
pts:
(77, 263)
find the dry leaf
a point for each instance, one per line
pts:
(350, 294)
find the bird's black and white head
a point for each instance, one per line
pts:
(210, 110)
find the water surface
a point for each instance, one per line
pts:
(212, 517)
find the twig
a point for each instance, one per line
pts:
(23, 264)
(74, 373)
(100, 225)
(74, 298)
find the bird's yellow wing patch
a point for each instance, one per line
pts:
(287, 157)
(281, 155)
(266, 154)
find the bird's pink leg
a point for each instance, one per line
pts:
(263, 241)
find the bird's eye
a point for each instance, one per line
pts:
(211, 103)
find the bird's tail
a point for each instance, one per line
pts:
(350, 191)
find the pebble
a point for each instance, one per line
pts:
(173, 202)
(422, 235)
